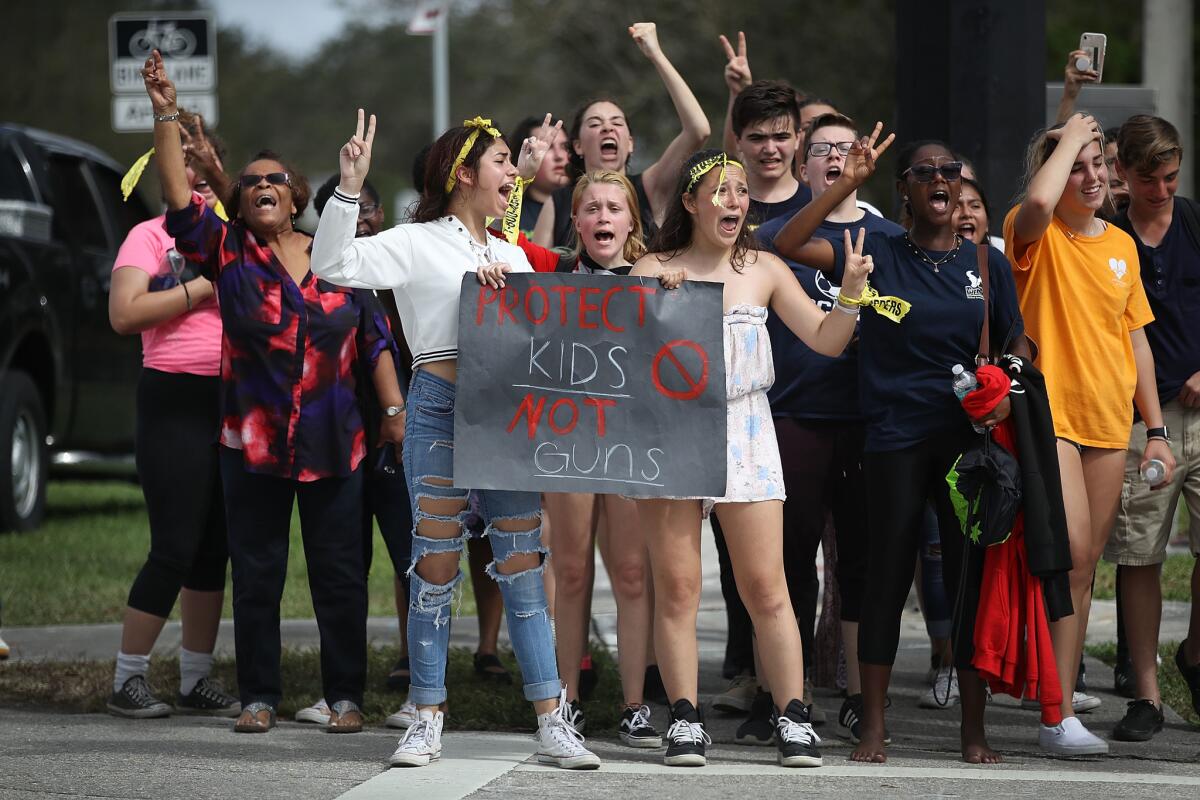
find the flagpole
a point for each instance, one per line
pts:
(441, 74)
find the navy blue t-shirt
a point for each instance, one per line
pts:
(761, 212)
(1171, 276)
(809, 385)
(904, 368)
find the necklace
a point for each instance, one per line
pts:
(1071, 234)
(921, 254)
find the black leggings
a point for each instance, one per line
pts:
(898, 484)
(178, 418)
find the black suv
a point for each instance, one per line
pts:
(67, 381)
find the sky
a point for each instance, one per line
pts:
(296, 28)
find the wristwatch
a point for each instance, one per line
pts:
(393, 411)
(1159, 433)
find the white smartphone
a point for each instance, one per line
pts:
(1093, 44)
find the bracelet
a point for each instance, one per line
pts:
(853, 302)
(852, 311)
(187, 295)
(166, 117)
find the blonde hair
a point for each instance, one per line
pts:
(1145, 143)
(1040, 148)
(634, 248)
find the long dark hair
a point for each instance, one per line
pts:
(677, 229)
(435, 200)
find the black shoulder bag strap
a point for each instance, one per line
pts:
(983, 355)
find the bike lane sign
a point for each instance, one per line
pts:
(187, 41)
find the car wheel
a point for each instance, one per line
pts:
(24, 457)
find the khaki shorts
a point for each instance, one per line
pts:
(1146, 517)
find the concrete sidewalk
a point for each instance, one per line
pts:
(51, 754)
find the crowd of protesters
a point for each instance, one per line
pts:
(283, 367)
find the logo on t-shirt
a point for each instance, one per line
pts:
(827, 288)
(1118, 268)
(975, 290)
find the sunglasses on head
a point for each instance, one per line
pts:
(822, 149)
(923, 173)
(250, 180)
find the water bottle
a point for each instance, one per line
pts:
(965, 383)
(1153, 472)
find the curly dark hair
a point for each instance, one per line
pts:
(434, 200)
(677, 230)
(297, 182)
(575, 166)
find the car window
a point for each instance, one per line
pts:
(14, 184)
(76, 217)
(126, 214)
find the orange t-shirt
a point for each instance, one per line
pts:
(1080, 297)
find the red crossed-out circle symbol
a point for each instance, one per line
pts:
(696, 385)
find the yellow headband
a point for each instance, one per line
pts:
(700, 170)
(130, 181)
(478, 124)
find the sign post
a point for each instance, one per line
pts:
(583, 383)
(187, 41)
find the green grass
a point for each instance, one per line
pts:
(1176, 579)
(1170, 684)
(79, 566)
(474, 703)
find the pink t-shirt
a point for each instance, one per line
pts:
(188, 343)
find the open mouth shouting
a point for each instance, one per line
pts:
(506, 189)
(729, 224)
(604, 236)
(610, 148)
(939, 201)
(832, 174)
(966, 229)
(266, 200)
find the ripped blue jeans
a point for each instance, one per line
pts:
(429, 466)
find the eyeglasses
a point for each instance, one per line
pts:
(923, 173)
(250, 180)
(822, 149)
(367, 209)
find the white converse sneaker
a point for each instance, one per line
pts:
(318, 712)
(559, 743)
(421, 743)
(1070, 738)
(944, 692)
(405, 717)
(1081, 703)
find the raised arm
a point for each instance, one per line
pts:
(1046, 188)
(737, 77)
(1073, 80)
(383, 261)
(659, 177)
(200, 154)
(167, 146)
(794, 239)
(543, 230)
(824, 333)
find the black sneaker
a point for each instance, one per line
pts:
(574, 715)
(1191, 675)
(135, 700)
(1123, 682)
(686, 737)
(795, 737)
(636, 730)
(1140, 723)
(653, 690)
(209, 697)
(758, 729)
(849, 720)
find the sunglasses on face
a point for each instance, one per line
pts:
(250, 180)
(923, 173)
(367, 209)
(822, 149)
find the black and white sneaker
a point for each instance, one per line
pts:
(573, 711)
(636, 730)
(795, 737)
(209, 697)
(135, 701)
(849, 722)
(686, 737)
(758, 728)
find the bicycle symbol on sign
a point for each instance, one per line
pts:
(171, 41)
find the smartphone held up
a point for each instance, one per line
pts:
(1093, 44)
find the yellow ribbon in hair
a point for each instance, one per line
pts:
(130, 181)
(891, 307)
(478, 124)
(700, 170)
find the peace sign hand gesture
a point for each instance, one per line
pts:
(534, 149)
(737, 68)
(858, 266)
(860, 162)
(354, 159)
(160, 88)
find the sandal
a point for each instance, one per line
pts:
(398, 679)
(345, 717)
(489, 667)
(258, 717)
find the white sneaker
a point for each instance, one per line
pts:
(559, 743)
(318, 713)
(1070, 738)
(3, 649)
(421, 743)
(1081, 703)
(405, 718)
(944, 692)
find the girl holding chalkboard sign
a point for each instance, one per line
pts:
(704, 232)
